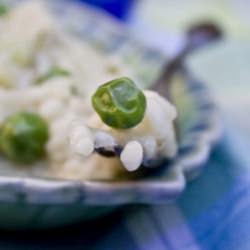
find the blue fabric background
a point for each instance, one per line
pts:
(117, 8)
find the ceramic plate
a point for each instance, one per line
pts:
(42, 203)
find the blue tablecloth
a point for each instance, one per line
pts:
(213, 213)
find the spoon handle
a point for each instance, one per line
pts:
(197, 37)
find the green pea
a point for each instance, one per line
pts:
(53, 72)
(119, 103)
(23, 137)
(3, 9)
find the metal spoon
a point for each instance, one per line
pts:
(197, 37)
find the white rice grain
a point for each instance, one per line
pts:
(132, 155)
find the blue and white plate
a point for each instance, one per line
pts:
(42, 203)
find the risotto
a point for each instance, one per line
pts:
(51, 74)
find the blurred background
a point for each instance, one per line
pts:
(225, 67)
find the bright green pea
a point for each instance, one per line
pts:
(23, 137)
(119, 103)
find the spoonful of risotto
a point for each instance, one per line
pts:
(128, 124)
(137, 126)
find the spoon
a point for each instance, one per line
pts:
(197, 37)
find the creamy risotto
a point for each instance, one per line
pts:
(45, 71)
